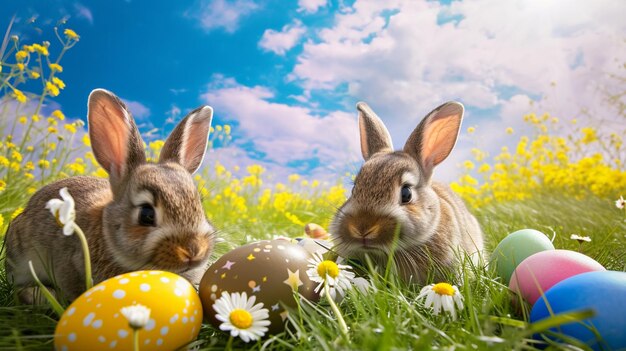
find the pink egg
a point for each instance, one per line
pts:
(539, 272)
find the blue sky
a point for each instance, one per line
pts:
(288, 74)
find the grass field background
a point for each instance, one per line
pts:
(560, 184)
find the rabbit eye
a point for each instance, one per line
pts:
(147, 216)
(406, 194)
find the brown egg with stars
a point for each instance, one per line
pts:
(270, 270)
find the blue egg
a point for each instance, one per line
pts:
(604, 292)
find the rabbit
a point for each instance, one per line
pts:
(393, 195)
(145, 216)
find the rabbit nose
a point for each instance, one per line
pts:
(364, 230)
(192, 254)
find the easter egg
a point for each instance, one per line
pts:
(604, 292)
(513, 249)
(270, 270)
(540, 271)
(94, 320)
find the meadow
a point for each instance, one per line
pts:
(560, 185)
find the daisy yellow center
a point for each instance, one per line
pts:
(57, 216)
(241, 318)
(443, 289)
(328, 268)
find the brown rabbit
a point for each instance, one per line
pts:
(393, 190)
(145, 216)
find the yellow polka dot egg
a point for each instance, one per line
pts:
(94, 321)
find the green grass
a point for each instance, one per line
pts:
(389, 318)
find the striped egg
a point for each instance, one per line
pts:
(94, 320)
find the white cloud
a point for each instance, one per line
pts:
(172, 114)
(286, 135)
(404, 58)
(214, 14)
(310, 6)
(281, 42)
(83, 12)
(139, 110)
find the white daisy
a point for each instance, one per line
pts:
(63, 211)
(580, 238)
(620, 203)
(241, 316)
(442, 295)
(137, 315)
(338, 276)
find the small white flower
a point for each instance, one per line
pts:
(63, 211)
(620, 203)
(338, 276)
(442, 295)
(137, 315)
(580, 238)
(241, 316)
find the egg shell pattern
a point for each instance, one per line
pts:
(94, 321)
(513, 249)
(539, 272)
(604, 292)
(269, 270)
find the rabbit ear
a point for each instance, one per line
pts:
(434, 138)
(115, 139)
(188, 141)
(374, 135)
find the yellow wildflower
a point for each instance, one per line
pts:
(45, 164)
(471, 130)
(255, 170)
(36, 118)
(58, 82)
(218, 128)
(40, 49)
(70, 34)
(31, 190)
(4, 161)
(20, 66)
(485, 167)
(19, 96)
(293, 178)
(30, 148)
(52, 89)
(77, 167)
(21, 55)
(28, 48)
(3, 186)
(34, 74)
(86, 140)
(70, 128)
(16, 156)
(100, 172)
(52, 130)
(589, 135)
(58, 114)
(15, 166)
(1, 221)
(509, 130)
(55, 67)
(227, 129)
(156, 146)
(52, 121)
(468, 165)
(17, 212)
(29, 166)
(22, 119)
